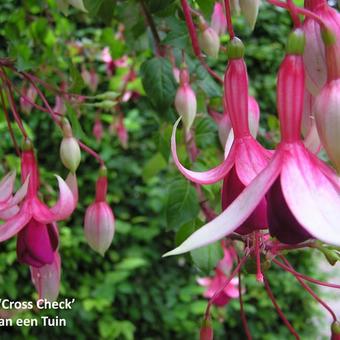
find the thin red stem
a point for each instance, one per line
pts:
(259, 275)
(194, 40)
(243, 314)
(305, 277)
(229, 21)
(236, 270)
(43, 98)
(91, 152)
(311, 292)
(293, 13)
(9, 124)
(278, 309)
(299, 10)
(11, 101)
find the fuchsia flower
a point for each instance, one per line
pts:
(247, 157)
(111, 64)
(37, 238)
(121, 132)
(99, 219)
(327, 103)
(303, 191)
(217, 283)
(218, 19)
(314, 56)
(46, 279)
(98, 129)
(90, 78)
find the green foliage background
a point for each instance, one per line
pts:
(132, 293)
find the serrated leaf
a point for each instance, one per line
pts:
(79, 4)
(182, 204)
(158, 82)
(178, 35)
(153, 166)
(205, 132)
(206, 258)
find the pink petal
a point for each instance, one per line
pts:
(47, 279)
(206, 177)
(71, 181)
(231, 218)
(312, 197)
(312, 140)
(6, 186)
(66, 202)
(204, 281)
(15, 224)
(41, 212)
(21, 193)
(9, 213)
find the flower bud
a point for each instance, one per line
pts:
(327, 118)
(335, 330)
(250, 9)
(69, 148)
(218, 19)
(98, 129)
(99, 220)
(210, 41)
(185, 100)
(314, 55)
(207, 332)
(46, 279)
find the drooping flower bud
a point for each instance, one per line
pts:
(218, 19)
(250, 10)
(46, 279)
(314, 56)
(335, 330)
(69, 148)
(121, 131)
(206, 332)
(28, 96)
(209, 39)
(98, 129)
(327, 105)
(99, 224)
(185, 100)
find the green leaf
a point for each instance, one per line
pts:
(77, 82)
(104, 9)
(178, 35)
(205, 132)
(182, 204)
(158, 82)
(153, 166)
(206, 258)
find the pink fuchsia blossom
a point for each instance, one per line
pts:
(218, 19)
(314, 56)
(327, 103)
(99, 222)
(28, 96)
(309, 189)
(90, 78)
(112, 65)
(247, 157)
(98, 129)
(37, 240)
(8, 201)
(46, 279)
(122, 132)
(185, 100)
(216, 283)
(206, 331)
